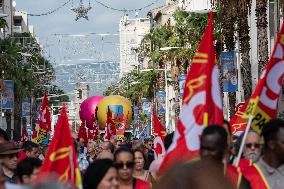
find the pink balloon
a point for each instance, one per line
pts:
(88, 109)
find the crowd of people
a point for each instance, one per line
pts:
(131, 164)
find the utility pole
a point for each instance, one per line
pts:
(11, 16)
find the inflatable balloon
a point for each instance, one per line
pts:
(88, 109)
(120, 107)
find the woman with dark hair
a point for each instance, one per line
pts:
(140, 161)
(124, 162)
(101, 174)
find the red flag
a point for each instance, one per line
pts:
(160, 134)
(44, 121)
(122, 128)
(90, 135)
(82, 133)
(61, 157)
(110, 127)
(262, 105)
(96, 134)
(95, 127)
(202, 104)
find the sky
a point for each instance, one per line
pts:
(101, 19)
(61, 49)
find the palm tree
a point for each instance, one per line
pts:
(3, 23)
(243, 10)
(228, 23)
(262, 39)
(25, 80)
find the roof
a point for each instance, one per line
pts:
(157, 12)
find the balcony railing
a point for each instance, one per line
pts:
(17, 29)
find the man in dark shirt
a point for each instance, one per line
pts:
(149, 144)
(8, 157)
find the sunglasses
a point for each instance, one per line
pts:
(128, 165)
(255, 145)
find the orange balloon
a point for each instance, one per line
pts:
(120, 107)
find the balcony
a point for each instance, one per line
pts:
(17, 29)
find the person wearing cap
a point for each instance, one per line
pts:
(8, 157)
(101, 174)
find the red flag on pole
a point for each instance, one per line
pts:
(202, 104)
(262, 105)
(90, 135)
(61, 157)
(159, 134)
(82, 133)
(121, 130)
(110, 127)
(95, 127)
(96, 134)
(44, 121)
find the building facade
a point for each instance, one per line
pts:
(20, 22)
(131, 33)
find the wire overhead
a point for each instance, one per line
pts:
(125, 10)
(96, 1)
(51, 11)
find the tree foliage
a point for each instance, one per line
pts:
(134, 85)
(31, 72)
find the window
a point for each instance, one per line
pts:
(17, 22)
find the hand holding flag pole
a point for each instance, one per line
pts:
(243, 141)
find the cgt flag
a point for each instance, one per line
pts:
(159, 134)
(110, 127)
(61, 157)
(202, 105)
(121, 130)
(44, 121)
(96, 134)
(262, 105)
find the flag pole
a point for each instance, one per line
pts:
(243, 141)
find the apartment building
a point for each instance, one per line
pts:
(17, 21)
(20, 22)
(131, 31)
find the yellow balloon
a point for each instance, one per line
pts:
(120, 107)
